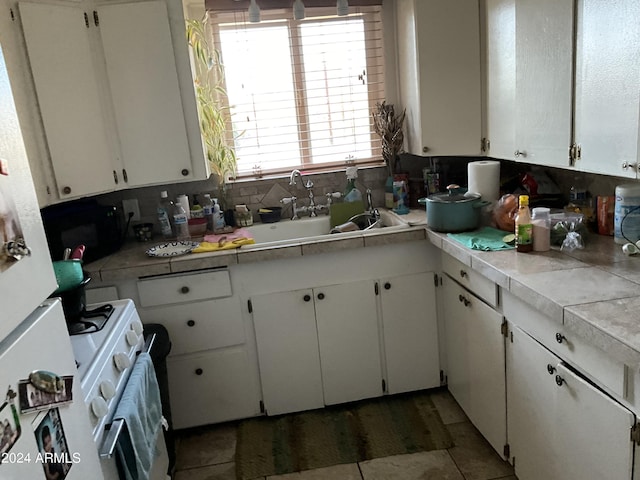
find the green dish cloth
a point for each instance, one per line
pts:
(486, 239)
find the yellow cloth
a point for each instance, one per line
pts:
(223, 244)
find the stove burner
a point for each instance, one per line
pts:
(91, 321)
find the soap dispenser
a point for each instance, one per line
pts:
(352, 194)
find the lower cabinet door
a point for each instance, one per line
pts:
(560, 425)
(211, 387)
(287, 342)
(347, 321)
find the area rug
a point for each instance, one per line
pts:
(392, 425)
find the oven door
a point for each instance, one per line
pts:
(113, 431)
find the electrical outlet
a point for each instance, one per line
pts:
(131, 206)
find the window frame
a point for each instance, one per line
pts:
(372, 16)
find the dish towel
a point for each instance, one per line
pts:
(239, 233)
(487, 239)
(222, 244)
(141, 410)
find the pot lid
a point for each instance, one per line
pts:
(454, 194)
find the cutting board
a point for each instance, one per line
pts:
(341, 212)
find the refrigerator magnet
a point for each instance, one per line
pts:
(53, 451)
(9, 427)
(33, 398)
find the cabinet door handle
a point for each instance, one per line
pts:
(66, 190)
(199, 371)
(191, 323)
(307, 298)
(115, 177)
(560, 338)
(463, 273)
(184, 289)
(464, 300)
(387, 286)
(627, 165)
(551, 369)
(321, 296)
(559, 380)
(185, 172)
(519, 153)
(125, 176)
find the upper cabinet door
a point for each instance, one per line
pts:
(69, 95)
(143, 80)
(544, 81)
(439, 75)
(607, 86)
(500, 44)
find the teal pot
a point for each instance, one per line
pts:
(454, 210)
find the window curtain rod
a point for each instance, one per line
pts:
(231, 5)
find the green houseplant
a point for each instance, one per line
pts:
(213, 113)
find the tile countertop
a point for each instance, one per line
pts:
(594, 291)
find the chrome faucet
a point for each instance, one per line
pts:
(312, 208)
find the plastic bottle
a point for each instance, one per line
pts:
(351, 193)
(218, 219)
(164, 212)
(524, 228)
(541, 222)
(207, 207)
(181, 223)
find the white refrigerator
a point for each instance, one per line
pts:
(42, 434)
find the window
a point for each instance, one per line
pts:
(301, 92)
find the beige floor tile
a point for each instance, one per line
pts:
(474, 456)
(347, 471)
(448, 408)
(433, 465)
(223, 471)
(206, 446)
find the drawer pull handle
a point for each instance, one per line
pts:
(387, 286)
(559, 380)
(464, 300)
(551, 369)
(560, 338)
(184, 289)
(463, 273)
(199, 371)
(307, 298)
(321, 296)
(191, 323)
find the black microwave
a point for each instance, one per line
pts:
(83, 222)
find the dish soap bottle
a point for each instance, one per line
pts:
(218, 219)
(164, 212)
(181, 223)
(524, 227)
(352, 194)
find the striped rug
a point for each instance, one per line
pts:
(391, 425)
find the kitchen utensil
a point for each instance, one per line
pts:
(66, 254)
(453, 211)
(78, 252)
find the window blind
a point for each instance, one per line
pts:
(301, 92)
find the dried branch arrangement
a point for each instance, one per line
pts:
(389, 127)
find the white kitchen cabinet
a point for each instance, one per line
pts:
(288, 355)
(438, 46)
(211, 387)
(607, 93)
(529, 80)
(560, 425)
(317, 346)
(347, 323)
(500, 77)
(109, 94)
(474, 345)
(410, 332)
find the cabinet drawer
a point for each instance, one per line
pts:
(179, 288)
(592, 361)
(211, 388)
(470, 279)
(201, 325)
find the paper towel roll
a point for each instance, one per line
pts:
(184, 201)
(484, 178)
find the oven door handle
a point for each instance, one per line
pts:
(115, 429)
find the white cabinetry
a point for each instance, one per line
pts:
(410, 332)
(607, 93)
(439, 75)
(109, 95)
(211, 377)
(474, 345)
(318, 346)
(530, 80)
(561, 426)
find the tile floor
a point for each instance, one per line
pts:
(208, 454)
